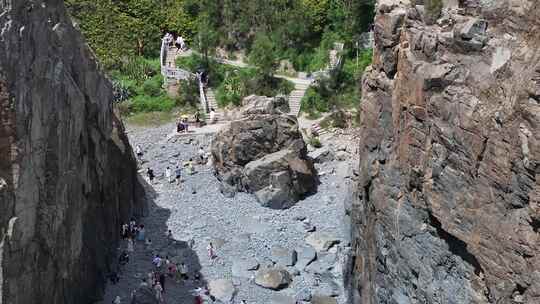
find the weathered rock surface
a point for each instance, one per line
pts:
(264, 154)
(322, 240)
(447, 203)
(273, 278)
(67, 173)
(222, 289)
(283, 256)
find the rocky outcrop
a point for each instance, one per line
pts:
(447, 206)
(67, 173)
(264, 154)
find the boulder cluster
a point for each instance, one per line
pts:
(264, 154)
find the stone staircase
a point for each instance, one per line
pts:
(295, 98)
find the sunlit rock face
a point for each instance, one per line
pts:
(67, 172)
(447, 207)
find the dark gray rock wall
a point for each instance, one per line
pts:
(447, 206)
(67, 172)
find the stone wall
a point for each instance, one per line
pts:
(67, 173)
(447, 209)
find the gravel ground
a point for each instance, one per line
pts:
(196, 209)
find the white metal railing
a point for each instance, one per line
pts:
(171, 73)
(203, 99)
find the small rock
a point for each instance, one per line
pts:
(305, 255)
(242, 268)
(283, 256)
(299, 217)
(273, 278)
(318, 299)
(282, 299)
(322, 241)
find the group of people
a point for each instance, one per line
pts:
(179, 42)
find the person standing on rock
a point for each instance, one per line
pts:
(168, 174)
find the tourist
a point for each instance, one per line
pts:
(178, 174)
(159, 292)
(202, 155)
(179, 44)
(183, 271)
(141, 234)
(198, 118)
(150, 174)
(117, 300)
(178, 274)
(125, 229)
(123, 259)
(191, 243)
(185, 124)
(179, 126)
(170, 238)
(139, 152)
(130, 245)
(212, 115)
(162, 281)
(150, 276)
(157, 261)
(172, 269)
(189, 165)
(243, 302)
(148, 244)
(211, 253)
(114, 277)
(168, 174)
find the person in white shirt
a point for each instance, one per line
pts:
(168, 175)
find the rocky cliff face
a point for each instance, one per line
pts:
(448, 205)
(67, 174)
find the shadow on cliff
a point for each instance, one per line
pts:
(155, 222)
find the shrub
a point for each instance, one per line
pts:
(139, 68)
(144, 103)
(153, 86)
(315, 142)
(188, 93)
(432, 10)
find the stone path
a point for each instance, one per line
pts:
(243, 232)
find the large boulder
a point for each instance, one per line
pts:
(273, 278)
(264, 154)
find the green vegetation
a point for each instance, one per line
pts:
(433, 10)
(232, 83)
(315, 142)
(302, 32)
(340, 90)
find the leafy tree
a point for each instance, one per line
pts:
(207, 38)
(262, 55)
